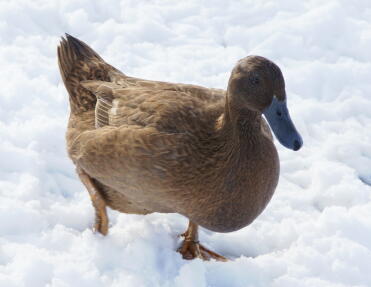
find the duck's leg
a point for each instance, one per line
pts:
(191, 247)
(101, 218)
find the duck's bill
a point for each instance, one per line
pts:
(283, 128)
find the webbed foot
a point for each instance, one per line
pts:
(191, 248)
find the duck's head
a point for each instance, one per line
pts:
(257, 84)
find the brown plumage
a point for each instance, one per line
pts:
(144, 146)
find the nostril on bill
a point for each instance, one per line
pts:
(297, 145)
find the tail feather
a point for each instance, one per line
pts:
(78, 62)
(72, 50)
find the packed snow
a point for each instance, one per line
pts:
(316, 231)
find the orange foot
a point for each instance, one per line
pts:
(193, 249)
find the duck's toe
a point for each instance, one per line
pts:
(211, 254)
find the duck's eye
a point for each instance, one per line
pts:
(254, 80)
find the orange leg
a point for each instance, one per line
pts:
(191, 247)
(101, 218)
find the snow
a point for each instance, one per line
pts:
(316, 231)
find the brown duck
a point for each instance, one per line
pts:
(145, 146)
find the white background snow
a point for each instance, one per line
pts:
(317, 229)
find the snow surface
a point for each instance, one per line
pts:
(317, 229)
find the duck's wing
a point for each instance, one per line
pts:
(127, 154)
(143, 132)
(173, 108)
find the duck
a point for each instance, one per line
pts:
(142, 146)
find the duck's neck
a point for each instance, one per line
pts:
(240, 127)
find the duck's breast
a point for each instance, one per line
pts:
(245, 190)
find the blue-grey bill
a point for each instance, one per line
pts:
(281, 124)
